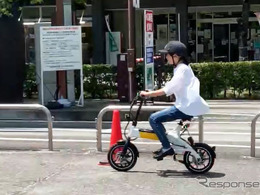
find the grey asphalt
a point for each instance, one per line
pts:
(70, 173)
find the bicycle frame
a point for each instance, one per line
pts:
(179, 145)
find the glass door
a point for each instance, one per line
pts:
(234, 54)
(204, 38)
(221, 42)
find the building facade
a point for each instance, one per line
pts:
(210, 30)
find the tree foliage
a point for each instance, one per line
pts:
(9, 7)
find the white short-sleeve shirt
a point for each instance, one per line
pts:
(186, 88)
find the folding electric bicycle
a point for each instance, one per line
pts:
(197, 157)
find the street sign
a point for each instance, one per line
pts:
(148, 50)
(136, 3)
(149, 55)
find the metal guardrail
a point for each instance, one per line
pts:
(33, 107)
(99, 119)
(253, 132)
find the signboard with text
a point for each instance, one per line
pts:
(148, 49)
(61, 48)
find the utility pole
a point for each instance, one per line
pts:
(61, 75)
(131, 62)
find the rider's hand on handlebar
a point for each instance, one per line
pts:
(144, 94)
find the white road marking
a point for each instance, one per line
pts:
(104, 141)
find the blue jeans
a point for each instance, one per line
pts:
(169, 114)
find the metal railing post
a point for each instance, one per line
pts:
(34, 107)
(253, 137)
(252, 152)
(99, 121)
(50, 134)
(201, 123)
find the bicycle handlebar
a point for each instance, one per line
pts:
(137, 97)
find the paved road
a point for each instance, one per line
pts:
(77, 173)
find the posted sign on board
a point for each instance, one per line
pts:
(149, 50)
(61, 48)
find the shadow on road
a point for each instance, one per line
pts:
(180, 174)
(153, 172)
(187, 174)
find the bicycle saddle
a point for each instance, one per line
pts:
(186, 119)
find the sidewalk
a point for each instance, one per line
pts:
(77, 173)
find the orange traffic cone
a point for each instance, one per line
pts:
(116, 133)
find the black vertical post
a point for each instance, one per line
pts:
(98, 30)
(131, 25)
(242, 31)
(131, 49)
(182, 20)
(12, 60)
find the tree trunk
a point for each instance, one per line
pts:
(12, 60)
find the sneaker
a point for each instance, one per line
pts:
(157, 151)
(164, 153)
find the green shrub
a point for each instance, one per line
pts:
(217, 79)
(30, 86)
(220, 77)
(99, 80)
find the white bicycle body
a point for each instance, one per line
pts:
(178, 144)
